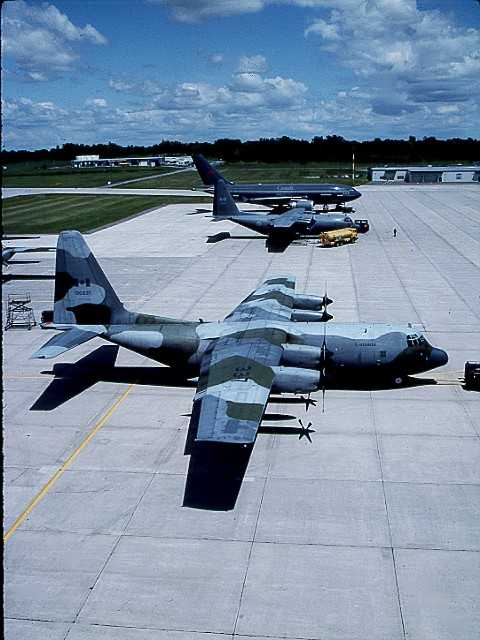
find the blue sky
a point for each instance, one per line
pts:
(136, 72)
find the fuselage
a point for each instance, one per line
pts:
(318, 193)
(307, 224)
(351, 350)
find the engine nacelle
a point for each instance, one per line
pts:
(295, 380)
(300, 355)
(308, 205)
(310, 316)
(313, 303)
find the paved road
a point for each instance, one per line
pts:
(11, 192)
(152, 177)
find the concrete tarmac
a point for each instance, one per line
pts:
(372, 531)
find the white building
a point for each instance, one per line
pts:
(178, 161)
(148, 161)
(425, 174)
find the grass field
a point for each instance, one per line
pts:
(39, 175)
(52, 214)
(42, 175)
(258, 172)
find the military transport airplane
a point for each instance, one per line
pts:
(275, 193)
(274, 341)
(298, 221)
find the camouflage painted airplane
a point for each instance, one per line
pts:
(298, 221)
(277, 193)
(274, 341)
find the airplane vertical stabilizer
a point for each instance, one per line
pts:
(83, 294)
(208, 174)
(223, 204)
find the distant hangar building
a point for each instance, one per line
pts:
(425, 174)
(149, 161)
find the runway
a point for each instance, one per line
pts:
(371, 531)
(12, 192)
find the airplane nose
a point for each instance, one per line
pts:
(438, 358)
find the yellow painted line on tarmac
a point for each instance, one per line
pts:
(46, 488)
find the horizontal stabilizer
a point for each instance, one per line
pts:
(64, 342)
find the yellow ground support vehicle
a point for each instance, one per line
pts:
(338, 237)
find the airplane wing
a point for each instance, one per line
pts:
(237, 370)
(290, 219)
(236, 376)
(273, 300)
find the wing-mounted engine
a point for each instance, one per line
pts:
(311, 303)
(300, 355)
(308, 308)
(311, 316)
(295, 380)
(303, 203)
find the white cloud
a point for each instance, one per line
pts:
(448, 108)
(324, 29)
(200, 10)
(41, 40)
(216, 58)
(249, 82)
(252, 64)
(96, 102)
(199, 111)
(246, 91)
(142, 87)
(188, 11)
(121, 85)
(418, 78)
(37, 76)
(421, 56)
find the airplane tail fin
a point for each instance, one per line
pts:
(83, 294)
(208, 174)
(223, 204)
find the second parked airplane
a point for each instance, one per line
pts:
(282, 229)
(277, 194)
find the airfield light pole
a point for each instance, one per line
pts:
(353, 167)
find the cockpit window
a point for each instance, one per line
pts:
(414, 340)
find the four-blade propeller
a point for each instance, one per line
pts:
(305, 431)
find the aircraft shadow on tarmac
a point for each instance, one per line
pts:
(71, 380)
(13, 262)
(216, 471)
(272, 246)
(8, 277)
(199, 211)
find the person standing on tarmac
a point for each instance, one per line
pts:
(394, 232)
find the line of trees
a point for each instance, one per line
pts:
(275, 150)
